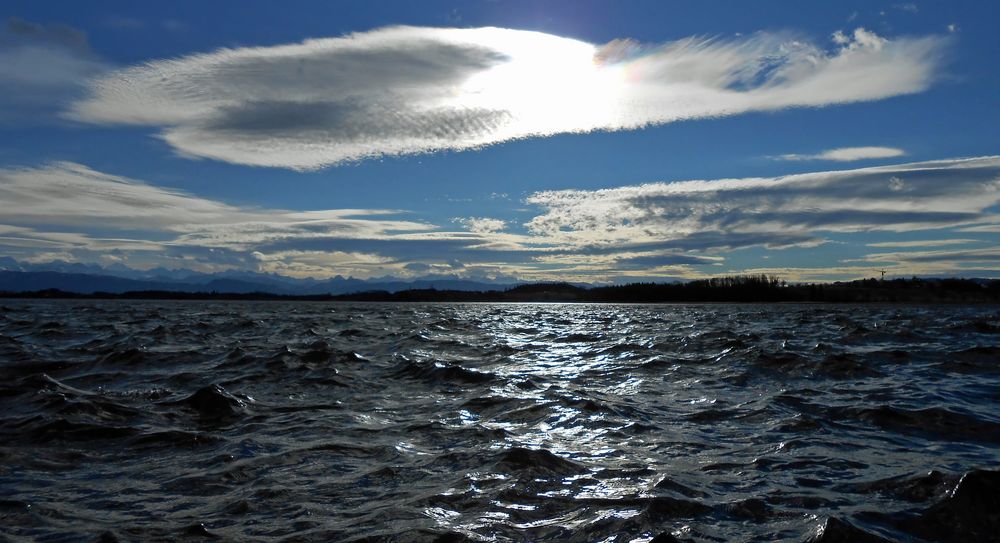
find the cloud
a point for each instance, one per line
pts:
(924, 243)
(481, 225)
(847, 154)
(972, 262)
(988, 228)
(403, 90)
(319, 264)
(67, 211)
(65, 195)
(675, 229)
(666, 259)
(42, 67)
(779, 211)
(985, 255)
(69, 194)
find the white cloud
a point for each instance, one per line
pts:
(65, 193)
(68, 195)
(992, 227)
(675, 229)
(65, 211)
(481, 225)
(321, 264)
(778, 211)
(407, 90)
(923, 243)
(847, 154)
(945, 262)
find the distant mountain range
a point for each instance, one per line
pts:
(86, 279)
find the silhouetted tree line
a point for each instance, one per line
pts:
(738, 288)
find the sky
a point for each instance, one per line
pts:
(589, 141)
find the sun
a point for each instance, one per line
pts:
(548, 84)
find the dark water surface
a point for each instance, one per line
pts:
(492, 422)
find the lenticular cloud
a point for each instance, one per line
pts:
(405, 90)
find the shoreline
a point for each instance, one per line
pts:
(746, 289)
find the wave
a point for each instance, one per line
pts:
(162, 421)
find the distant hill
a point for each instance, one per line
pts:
(12, 281)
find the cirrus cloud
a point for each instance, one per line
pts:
(402, 90)
(778, 211)
(667, 229)
(848, 154)
(42, 203)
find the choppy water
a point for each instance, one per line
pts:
(492, 422)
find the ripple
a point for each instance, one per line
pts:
(171, 421)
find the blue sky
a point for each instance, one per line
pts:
(590, 141)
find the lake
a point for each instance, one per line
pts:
(300, 421)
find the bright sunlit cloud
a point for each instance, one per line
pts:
(403, 90)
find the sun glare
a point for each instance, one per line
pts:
(549, 84)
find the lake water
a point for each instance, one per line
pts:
(498, 422)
